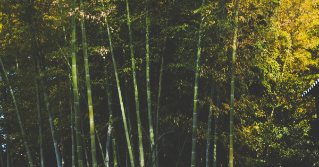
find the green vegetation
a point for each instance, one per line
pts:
(243, 106)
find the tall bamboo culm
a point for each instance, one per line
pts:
(119, 92)
(76, 92)
(88, 87)
(194, 131)
(232, 89)
(18, 114)
(139, 129)
(149, 106)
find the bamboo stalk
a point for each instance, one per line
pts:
(139, 129)
(88, 87)
(149, 107)
(119, 93)
(18, 114)
(232, 89)
(194, 131)
(76, 92)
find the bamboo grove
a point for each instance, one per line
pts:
(111, 83)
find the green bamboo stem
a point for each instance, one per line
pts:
(232, 89)
(119, 93)
(18, 114)
(148, 86)
(88, 87)
(39, 113)
(210, 115)
(76, 92)
(139, 129)
(194, 131)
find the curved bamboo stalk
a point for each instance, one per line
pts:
(119, 93)
(18, 114)
(232, 89)
(76, 92)
(88, 87)
(149, 107)
(194, 131)
(139, 129)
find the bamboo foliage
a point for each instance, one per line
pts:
(18, 114)
(139, 129)
(119, 93)
(88, 86)
(232, 89)
(194, 131)
(148, 87)
(76, 92)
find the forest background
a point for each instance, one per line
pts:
(276, 60)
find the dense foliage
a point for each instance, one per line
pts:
(276, 60)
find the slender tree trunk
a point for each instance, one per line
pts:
(210, 115)
(39, 112)
(232, 89)
(18, 114)
(76, 92)
(194, 131)
(139, 129)
(149, 104)
(119, 93)
(88, 87)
